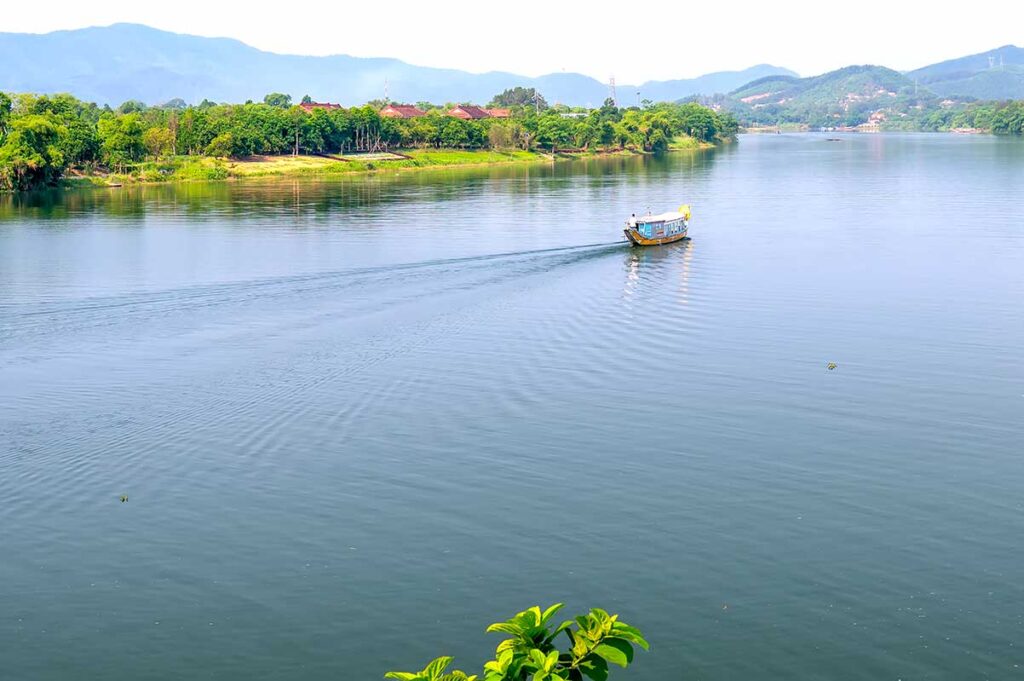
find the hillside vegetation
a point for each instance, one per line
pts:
(996, 74)
(877, 98)
(848, 96)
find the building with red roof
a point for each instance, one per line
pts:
(401, 111)
(468, 112)
(309, 106)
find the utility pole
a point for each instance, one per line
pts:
(386, 100)
(611, 92)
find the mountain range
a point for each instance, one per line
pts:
(846, 96)
(112, 64)
(996, 74)
(876, 95)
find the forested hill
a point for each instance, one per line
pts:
(123, 62)
(996, 74)
(847, 96)
(870, 98)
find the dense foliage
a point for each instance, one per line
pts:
(42, 136)
(1001, 118)
(594, 641)
(520, 96)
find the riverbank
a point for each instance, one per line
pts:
(193, 168)
(687, 143)
(203, 168)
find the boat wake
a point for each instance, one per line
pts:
(399, 280)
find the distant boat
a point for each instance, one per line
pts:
(654, 230)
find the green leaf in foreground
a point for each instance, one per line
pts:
(529, 651)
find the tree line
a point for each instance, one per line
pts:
(1000, 118)
(42, 136)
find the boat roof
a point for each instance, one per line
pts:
(663, 217)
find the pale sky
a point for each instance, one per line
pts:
(635, 41)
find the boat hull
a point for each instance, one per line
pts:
(637, 239)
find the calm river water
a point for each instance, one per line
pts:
(358, 420)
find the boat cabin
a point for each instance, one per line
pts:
(661, 226)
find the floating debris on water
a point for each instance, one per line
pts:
(831, 365)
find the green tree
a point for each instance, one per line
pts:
(131, 106)
(5, 114)
(501, 135)
(30, 155)
(194, 131)
(306, 99)
(595, 640)
(278, 99)
(554, 131)
(222, 145)
(121, 138)
(455, 133)
(80, 143)
(728, 127)
(698, 122)
(520, 96)
(297, 122)
(158, 141)
(609, 112)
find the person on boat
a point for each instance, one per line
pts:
(632, 221)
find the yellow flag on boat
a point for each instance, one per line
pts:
(685, 210)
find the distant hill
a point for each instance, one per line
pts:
(112, 64)
(847, 96)
(721, 81)
(857, 94)
(844, 83)
(996, 74)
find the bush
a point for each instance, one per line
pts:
(152, 175)
(217, 171)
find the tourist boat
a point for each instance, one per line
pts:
(654, 230)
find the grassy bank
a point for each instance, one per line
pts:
(263, 166)
(201, 168)
(687, 143)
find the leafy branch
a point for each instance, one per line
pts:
(530, 653)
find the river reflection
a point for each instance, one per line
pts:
(670, 263)
(326, 195)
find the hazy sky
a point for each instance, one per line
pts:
(634, 41)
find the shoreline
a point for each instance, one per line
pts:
(184, 169)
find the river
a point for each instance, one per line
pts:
(359, 419)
